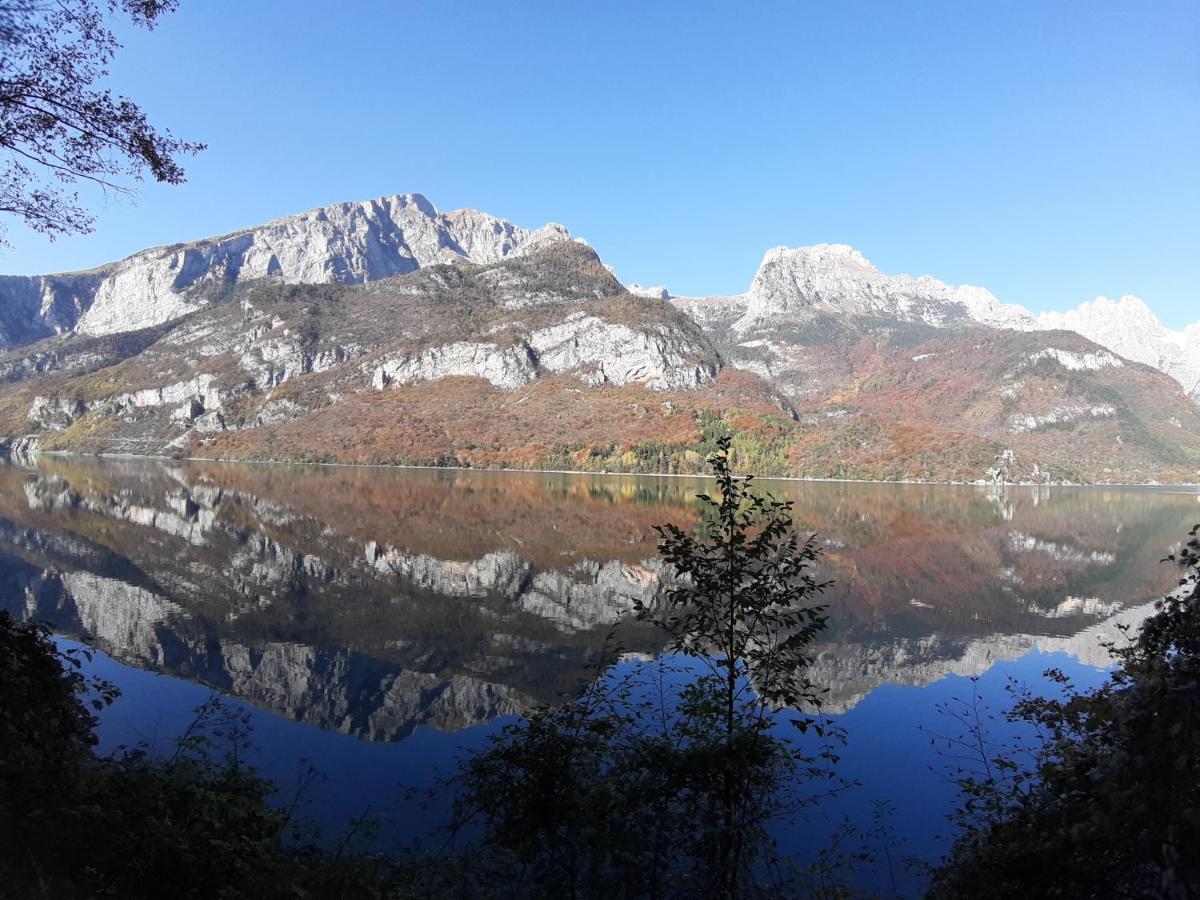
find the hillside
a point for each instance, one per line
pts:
(795, 287)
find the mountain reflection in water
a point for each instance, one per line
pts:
(374, 601)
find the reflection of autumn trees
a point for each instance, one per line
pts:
(908, 559)
(973, 563)
(462, 515)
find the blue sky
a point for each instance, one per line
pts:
(1048, 151)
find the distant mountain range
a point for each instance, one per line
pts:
(387, 331)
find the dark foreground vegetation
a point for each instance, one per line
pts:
(658, 780)
(1106, 801)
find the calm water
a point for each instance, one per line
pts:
(375, 621)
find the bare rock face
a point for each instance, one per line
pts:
(505, 367)
(607, 353)
(36, 307)
(595, 351)
(347, 243)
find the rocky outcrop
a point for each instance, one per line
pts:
(1058, 416)
(192, 404)
(25, 447)
(505, 367)
(584, 346)
(601, 352)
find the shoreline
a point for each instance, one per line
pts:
(1185, 487)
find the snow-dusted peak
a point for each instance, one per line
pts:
(657, 291)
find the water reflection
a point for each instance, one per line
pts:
(374, 601)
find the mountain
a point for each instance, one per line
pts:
(899, 377)
(418, 368)
(388, 332)
(347, 243)
(835, 279)
(1128, 327)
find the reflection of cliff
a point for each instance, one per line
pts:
(335, 689)
(849, 672)
(252, 598)
(375, 601)
(260, 552)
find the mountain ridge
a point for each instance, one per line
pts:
(341, 243)
(359, 241)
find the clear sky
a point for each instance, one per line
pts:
(1049, 151)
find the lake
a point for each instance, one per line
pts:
(377, 622)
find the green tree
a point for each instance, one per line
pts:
(742, 608)
(661, 779)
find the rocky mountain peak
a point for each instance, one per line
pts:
(343, 243)
(838, 279)
(823, 255)
(1128, 309)
(657, 291)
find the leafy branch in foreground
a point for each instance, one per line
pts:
(741, 608)
(56, 127)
